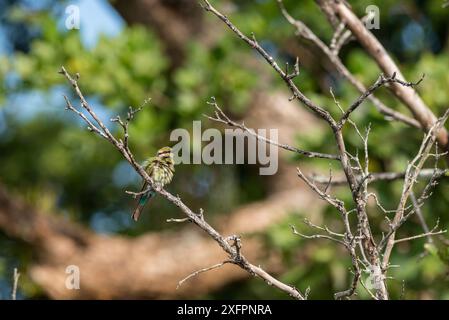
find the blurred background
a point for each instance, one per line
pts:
(62, 189)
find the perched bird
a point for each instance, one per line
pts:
(161, 169)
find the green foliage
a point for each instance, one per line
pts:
(204, 76)
(117, 67)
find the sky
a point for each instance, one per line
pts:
(96, 18)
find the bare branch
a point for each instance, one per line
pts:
(369, 291)
(381, 81)
(427, 234)
(194, 274)
(379, 205)
(357, 175)
(221, 117)
(90, 125)
(351, 291)
(304, 32)
(136, 194)
(85, 105)
(325, 228)
(420, 215)
(381, 176)
(316, 236)
(338, 204)
(196, 218)
(322, 113)
(406, 94)
(178, 220)
(412, 173)
(15, 283)
(129, 117)
(342, 35)
(368, 241)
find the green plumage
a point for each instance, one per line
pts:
(161, 169)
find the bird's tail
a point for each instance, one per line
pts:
(144, 198)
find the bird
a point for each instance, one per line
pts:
(161, 169)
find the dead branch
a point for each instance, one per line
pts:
(406, 94)
(221, 117)
(197, 219)
(357, 175)
(304, 32)
(15, 283)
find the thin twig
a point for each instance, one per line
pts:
(316, 236)
(420, 215)
(427, 234)
(381, 81)
(196, 218)
(377, 176)
(412, 173)
(194, 274)
(178, 220)
(221, 117)
(15, 283)
(338, 204)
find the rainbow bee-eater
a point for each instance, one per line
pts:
(161, 169)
